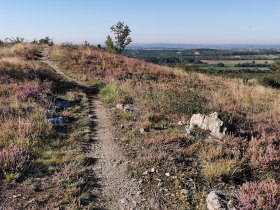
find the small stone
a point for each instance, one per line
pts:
(124, 201)
(160, 184)
(119, 106)
(16, 196)
(134, 203)
(142, 130)
(128, 107)
(138, 192)
(185, 192)
(152, 170)
(231, 205)
(90, 116)
(167, 174)
(57, 120)
(145, 173)
(181, 122)
(121, 126)
(119, 162)
(31, 201)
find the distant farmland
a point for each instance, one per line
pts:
(238, 61)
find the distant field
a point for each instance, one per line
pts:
(237, 61)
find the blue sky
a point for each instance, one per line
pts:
(151, 21)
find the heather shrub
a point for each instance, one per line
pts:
(32, 93)
(264, 151)
(264, 154)
(260, 196)
(66, 174)
(14, 159)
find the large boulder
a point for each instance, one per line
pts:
(216, 201)
(209, 122)
(59, 103)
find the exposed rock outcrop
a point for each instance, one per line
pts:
(216, 201)
(209, 122)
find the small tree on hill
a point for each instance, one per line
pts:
(47, 40)
(121, 38)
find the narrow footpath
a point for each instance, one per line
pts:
(115, 189)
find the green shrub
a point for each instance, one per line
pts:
(11, 177)
(127, 116)
(272, 81)
(108, 93)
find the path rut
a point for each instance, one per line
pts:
(116, 189)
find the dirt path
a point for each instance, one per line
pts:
(115, 189)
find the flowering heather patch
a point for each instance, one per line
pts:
(262, 195)
(67, 174)
(264, 151)
(14, 159)
(33, 93)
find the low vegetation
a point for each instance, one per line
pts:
(35, 154)
(159, 151)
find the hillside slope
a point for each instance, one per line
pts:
(177, 170)
(44, 163)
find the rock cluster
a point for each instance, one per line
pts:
(209, 122)
(216, 200)
(126, 107)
